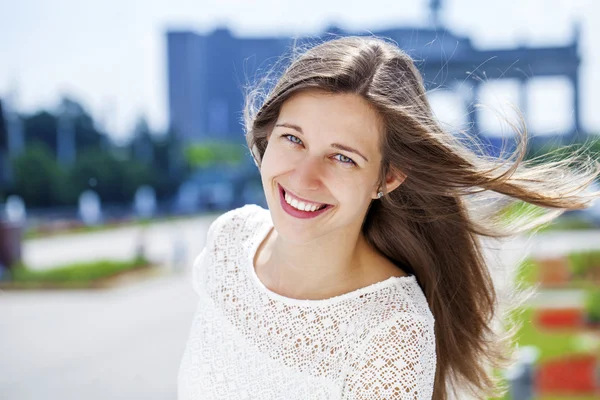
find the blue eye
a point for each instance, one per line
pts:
(293, 139)
(343, 159)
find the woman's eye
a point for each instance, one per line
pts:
(293, 139)
(343, 159)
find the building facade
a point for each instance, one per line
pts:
(208, 74)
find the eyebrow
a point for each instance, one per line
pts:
(338, 146)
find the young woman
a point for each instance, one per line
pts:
(364, 279)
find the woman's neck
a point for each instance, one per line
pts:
(319, 269)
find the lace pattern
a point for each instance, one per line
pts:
(373, 343)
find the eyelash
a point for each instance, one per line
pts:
(350, 161)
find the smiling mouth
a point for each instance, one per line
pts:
(300, 204)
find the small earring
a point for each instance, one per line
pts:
(379, 195)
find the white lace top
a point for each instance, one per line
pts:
(248, 342)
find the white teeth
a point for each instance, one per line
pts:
(300, 205)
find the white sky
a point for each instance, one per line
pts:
(110, 54)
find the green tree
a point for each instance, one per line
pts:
(3, 131)
(40, 128)
(114, 180)
(39, 180)
(553, 151)
(4, 177)
(86, 134)
(170, 168)
(159, 153)
(211, 153)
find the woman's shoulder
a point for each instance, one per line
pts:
(402, 299)
(400, 293)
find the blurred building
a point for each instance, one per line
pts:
(207, 73)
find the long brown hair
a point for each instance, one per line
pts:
(429, 225)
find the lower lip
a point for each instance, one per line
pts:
(297, 213)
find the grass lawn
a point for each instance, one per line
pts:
(73, 275)
(550, 344)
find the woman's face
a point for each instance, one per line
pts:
(322, 157)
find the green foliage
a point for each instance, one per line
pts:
(578, 264)
(77, 272)
(113, 179)
(41, 127)
(527, 273)
(581, 262)
(38, 178)
(592, 304)
(114, 172)
(169, 167)
(520, 209)
(42, 182)
(3, 130)
(557, 151)
(550, 344)
(568, 224)
(210, 153)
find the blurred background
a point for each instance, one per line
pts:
(121, 140)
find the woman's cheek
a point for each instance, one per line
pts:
(286, 157)
(274, 161)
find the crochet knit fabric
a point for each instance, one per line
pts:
(248, 342)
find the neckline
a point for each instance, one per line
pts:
(266, 224)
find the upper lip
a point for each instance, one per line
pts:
(300, 198)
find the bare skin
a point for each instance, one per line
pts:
(374, 268)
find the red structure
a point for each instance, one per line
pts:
(570, 376)
(560, 318)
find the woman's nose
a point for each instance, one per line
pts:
(308, 174)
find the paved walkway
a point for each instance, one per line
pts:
(123, 343)
(116, 344)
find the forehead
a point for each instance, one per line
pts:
(333, 116)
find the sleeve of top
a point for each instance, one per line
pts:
(199, 261)
(397, 362)
(222, 226)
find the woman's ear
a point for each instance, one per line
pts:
(393, 180)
